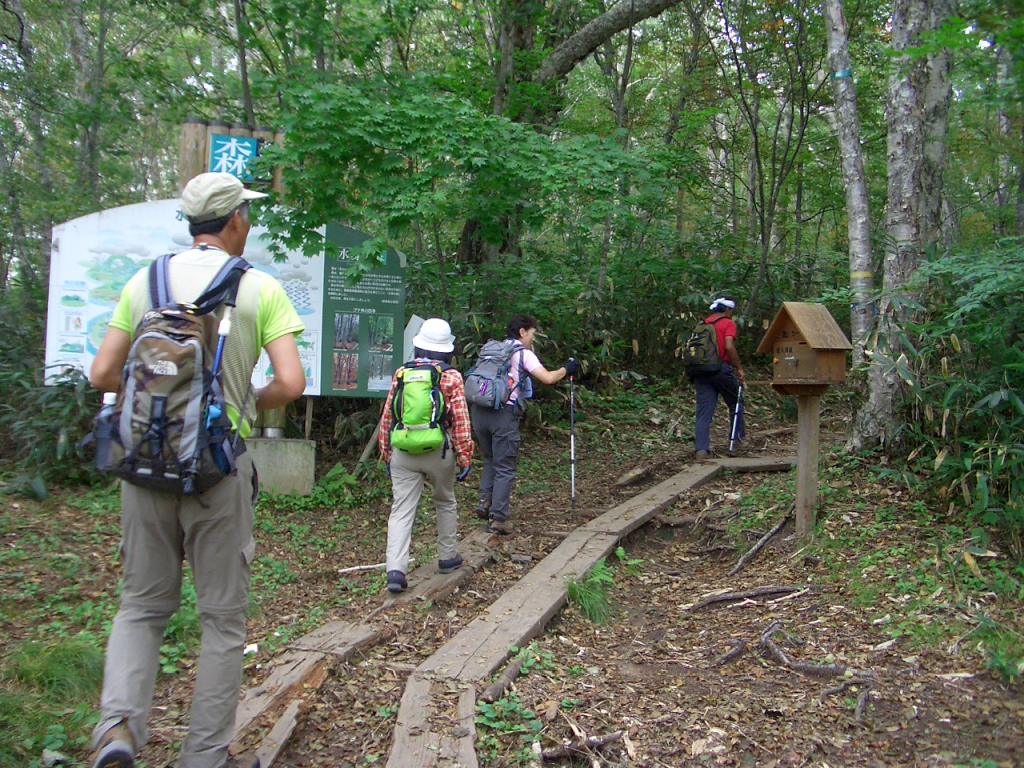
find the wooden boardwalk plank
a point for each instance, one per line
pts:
(273, 743)
(757, 464)
(435, 726)
(478, 651)
(629, 516)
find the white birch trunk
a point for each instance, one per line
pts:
(917, 117)
(858, 216)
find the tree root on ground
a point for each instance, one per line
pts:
(581, 746)
(859, 677)
(763, 540)
(743, 595)
(738, 647)
(864, 681)
(494, 691)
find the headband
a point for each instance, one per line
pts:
(723, 303)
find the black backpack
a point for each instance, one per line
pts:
(700, 353)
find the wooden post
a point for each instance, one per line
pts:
(240, 129)
(808, 428)
(274, 421)
(192, 158)
(212, 127)
(307, 427)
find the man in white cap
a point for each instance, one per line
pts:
(725, 382)
(411, 464)
(212, 530)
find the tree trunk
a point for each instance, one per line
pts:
(241, 28)
(1004, 222)
(91, 69)
(34, 265)
(917, 112)
(858, 218)
(1020, 193)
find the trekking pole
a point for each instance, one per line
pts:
(736, 417)
(572, 442)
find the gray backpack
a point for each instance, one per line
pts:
(488, 382)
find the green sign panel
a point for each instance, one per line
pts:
(363, 324)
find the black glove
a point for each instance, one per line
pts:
(463, 473)
(387, 466)
(572, 366)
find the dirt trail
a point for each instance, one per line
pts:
(654, 672)
(651, 672)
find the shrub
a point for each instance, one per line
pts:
(964, 394)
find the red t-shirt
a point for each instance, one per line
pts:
(723, 328)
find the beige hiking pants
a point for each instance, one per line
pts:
(214, 533)
(408, 473)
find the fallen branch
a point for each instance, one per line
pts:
(759, 592)
(762, 541)
(684, 520)
(494, 691)
(364, 568)
(818, 670)
(581, 747)
(671, 431)
(739, 646)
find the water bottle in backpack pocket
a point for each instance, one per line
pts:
(103, 432)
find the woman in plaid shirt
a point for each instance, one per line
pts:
(433, 343)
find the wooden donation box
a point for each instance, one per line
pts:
(808, 350)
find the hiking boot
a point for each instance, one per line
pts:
(483, 509)
(700, 455)
(397, 582)
(115, 749)
(449, 565)
(243, 761)
(499, 526)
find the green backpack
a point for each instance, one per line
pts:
(418, 408)
(700, 353)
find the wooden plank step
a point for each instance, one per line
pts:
(756, 463)
(304, 666)
(435, 725)
(630, 515)
(425, 583)
(480, 649)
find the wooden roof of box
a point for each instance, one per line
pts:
(816, 325)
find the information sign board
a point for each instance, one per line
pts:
(351, 332)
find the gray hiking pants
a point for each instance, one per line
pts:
(408, 473)
(214, 533)
(497, 434)
(708, 389)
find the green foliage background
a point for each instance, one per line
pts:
(667, 164)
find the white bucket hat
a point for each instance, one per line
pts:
(435, 336)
